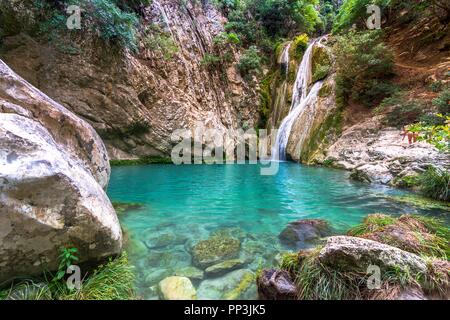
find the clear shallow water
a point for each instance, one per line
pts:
(186, 204)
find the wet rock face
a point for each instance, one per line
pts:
(304, 233)
(276, 284)
(356, 254)
(136, 101)
(53, 167)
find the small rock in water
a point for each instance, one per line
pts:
(276, 284)
(157, 240)
(190, 272)
(214, 250)
(304, 233)
(238, 284)
(224, 267)
(177, 288)
(156, 275)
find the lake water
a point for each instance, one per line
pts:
(186, 204)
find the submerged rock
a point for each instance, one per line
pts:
(224, 267)
(274, 284)
(155, 240)
(155, 276)
(190, 272)
(356, 254)
(238, 284)
(304, 233)
(125, 207)
(177, 288)
(53, 168)
(214, 250)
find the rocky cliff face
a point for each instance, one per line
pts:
(135, 101)
(53, 168)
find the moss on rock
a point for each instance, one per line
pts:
(215, 249)
(321, 63)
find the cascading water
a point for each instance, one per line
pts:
(301, 99)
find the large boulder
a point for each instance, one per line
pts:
(53, 168)
(304, 233)
(351, 254)
(276, 284)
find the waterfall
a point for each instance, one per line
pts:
(301, 99)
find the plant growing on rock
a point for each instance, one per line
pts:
(250, 61)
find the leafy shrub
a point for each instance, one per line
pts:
(436, 86)
(437, 135)
(355, 12)
(435, 183)
(363, 67)
(211, 61)
(101, 17)
(442, 102)
(404, 112)
(250, 61)
(299, 45)
(160, 41)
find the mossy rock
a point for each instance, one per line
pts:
(177, 288)
(214, 250)
(190, 272)
(247, 280)
(321, 63)
(416, 234)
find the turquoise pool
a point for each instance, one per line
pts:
(185, 204)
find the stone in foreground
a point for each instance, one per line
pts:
(276, 284)
(356, 254)
(177, 288)
(53, 168)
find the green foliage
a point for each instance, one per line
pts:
(435, 134)
(100, 17)
(371, 223)
(436, 86)
(355, 12)
(435, 183)
(111, 281)
(403, 111)
(290, 262)
(211, 61)
(442, 102)
(299, 45)
(66, 259)
(159, 41)
(249, 61)
(363, 67)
